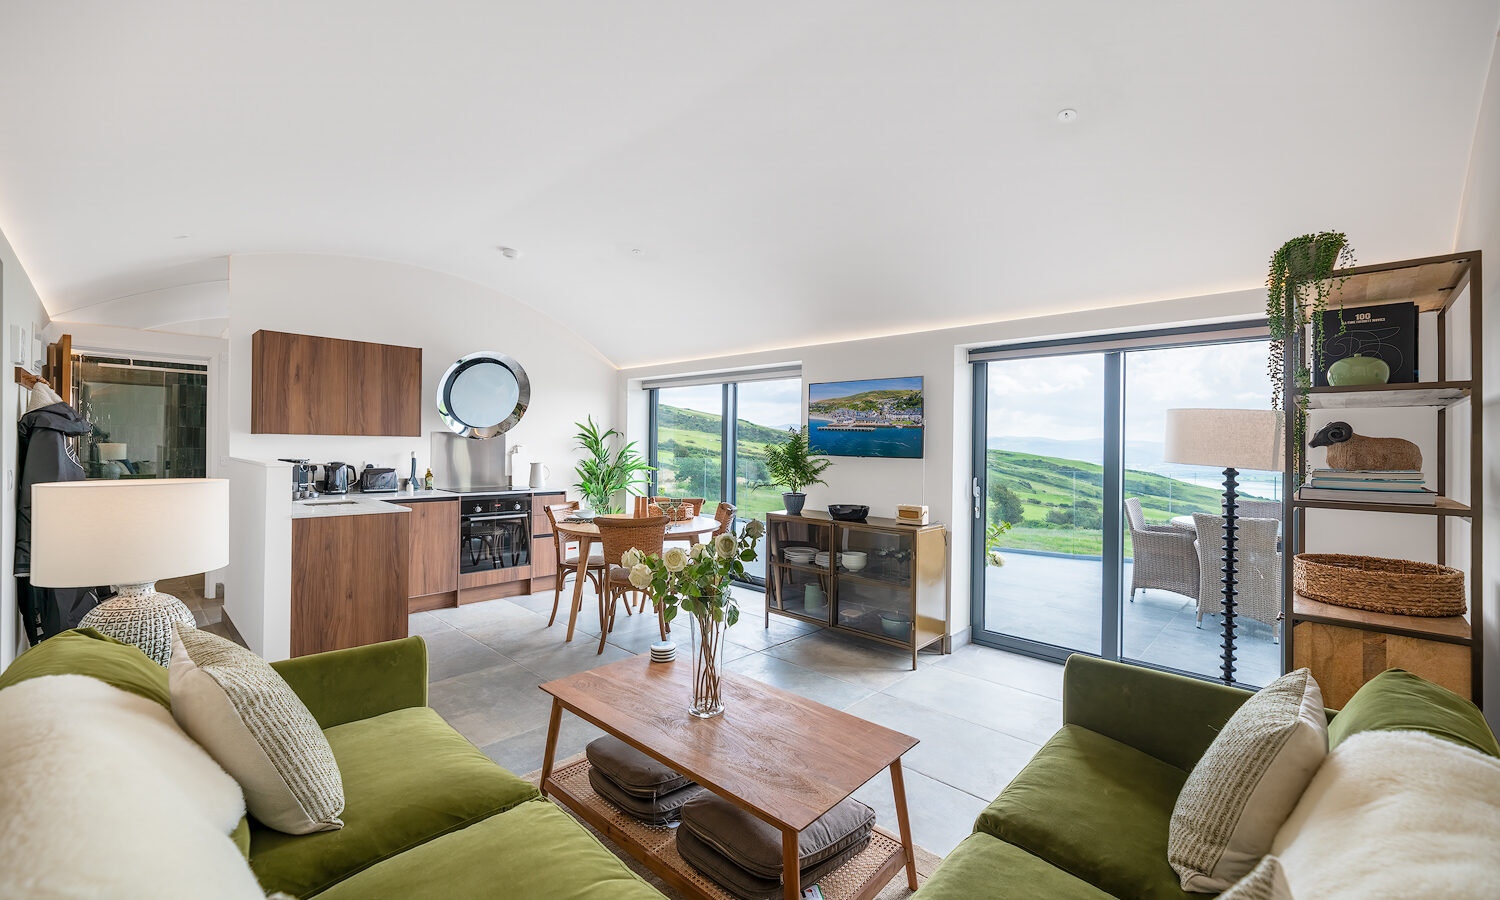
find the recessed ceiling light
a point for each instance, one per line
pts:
(509, 252)
(1067, 115)
(179, 237)
(637, 252)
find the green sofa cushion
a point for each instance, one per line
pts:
(408, 778)
(84, 651)
(1095, 808)
(533, 852)
(1398, 700)
(985, 866)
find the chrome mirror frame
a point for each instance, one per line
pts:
(450, 377)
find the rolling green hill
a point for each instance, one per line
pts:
(688, 452)
(868, 401)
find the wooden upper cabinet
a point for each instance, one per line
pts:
(301, 384)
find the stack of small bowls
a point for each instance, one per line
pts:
(663, 651)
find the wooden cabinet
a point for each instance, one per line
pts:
(349, 581)
(882, 579)
(543, 545)
(432, 575)
(301, 384)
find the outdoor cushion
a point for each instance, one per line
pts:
(755, 845)
(662, 809)
(408, 778)
(632, 770)
(748, 885)
(1398, 700)
(534, 851)
(1095, 808)
(84, 651)
(985, 866)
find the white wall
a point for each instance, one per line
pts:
(1479, 229)
(391, 303)
(22, 309)
(941, 478)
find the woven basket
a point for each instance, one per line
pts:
(1397, 586)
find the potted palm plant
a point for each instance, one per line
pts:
(794, 465)
(604, 474)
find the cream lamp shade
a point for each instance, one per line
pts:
(110, 451)
(1225, 438)
(86, 533)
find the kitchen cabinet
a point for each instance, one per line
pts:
(543, 549)
(349, 581)
(303, 384)
(432, 574)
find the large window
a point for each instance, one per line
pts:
(1104, 547)
(149, 417)
(709, 441)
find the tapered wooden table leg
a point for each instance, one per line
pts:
(585, 544)
(791, 872)
(550, 753)
(899, 788)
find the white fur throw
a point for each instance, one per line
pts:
(103, 795)
(1395, 814)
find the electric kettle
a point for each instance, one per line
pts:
(337, 477)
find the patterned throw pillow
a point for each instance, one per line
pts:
(249, 720)
(1247, 783)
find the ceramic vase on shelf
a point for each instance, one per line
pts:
(708, 665)
(1359, 369)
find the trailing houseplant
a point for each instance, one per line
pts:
(794, 465)
(1298, 286)
(696, 582)
(604, 473)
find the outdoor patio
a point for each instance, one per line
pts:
(1056, 599)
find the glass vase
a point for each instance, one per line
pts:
(708, 665)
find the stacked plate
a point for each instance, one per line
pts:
(799, 555)
(663, 651)
(821, 559)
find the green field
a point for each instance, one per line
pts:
(688, 451)
(1055, 504)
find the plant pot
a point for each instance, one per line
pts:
(1359, 369)
(1302, 261)
(793, 501)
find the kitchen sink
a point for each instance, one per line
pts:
(329, 502)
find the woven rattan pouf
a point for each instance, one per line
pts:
(143, 618)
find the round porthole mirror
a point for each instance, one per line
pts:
(483, 394)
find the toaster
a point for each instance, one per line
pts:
(373, 480)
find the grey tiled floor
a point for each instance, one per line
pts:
(980, 714)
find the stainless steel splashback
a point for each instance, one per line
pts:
(468, 464)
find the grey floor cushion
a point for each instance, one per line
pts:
(663, 809)
(634, 772)
(743, 854)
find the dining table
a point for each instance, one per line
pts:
(586, 532)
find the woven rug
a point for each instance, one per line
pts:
(927, 862)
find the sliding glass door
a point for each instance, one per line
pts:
(708, 441)
(1093, 542)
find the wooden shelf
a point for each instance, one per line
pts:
(799, 567)
(1430, 283)
(1370, 396)
(875, 582)
(1444, 507)
(1447, 629)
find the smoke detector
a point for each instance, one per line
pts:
(508, 252)
(1068, 115)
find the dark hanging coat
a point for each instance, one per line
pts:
(44, 455)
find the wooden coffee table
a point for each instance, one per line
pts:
(783, 758)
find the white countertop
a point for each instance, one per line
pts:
(356, 504)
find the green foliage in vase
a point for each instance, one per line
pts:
(604, 474)
(794, 465)
(1298, 286)
(696, 581)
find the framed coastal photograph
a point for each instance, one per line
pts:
(875, 417)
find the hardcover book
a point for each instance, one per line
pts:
(1388, 331)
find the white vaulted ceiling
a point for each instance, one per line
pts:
(789, 171)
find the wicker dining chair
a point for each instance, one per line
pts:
(1163, 556)
(693, 503)
(724, 513)
(1257, 563)
(567, 561)
(619, 534)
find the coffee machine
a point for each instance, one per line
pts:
(303, 486)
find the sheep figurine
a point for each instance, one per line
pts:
(1347, 450)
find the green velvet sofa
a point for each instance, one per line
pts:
(1087, 818)
(427, 815)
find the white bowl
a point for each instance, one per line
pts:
(853, 564)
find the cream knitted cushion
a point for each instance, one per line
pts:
(1247, 783)
(247, 717)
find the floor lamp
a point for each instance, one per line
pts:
(1228, 439)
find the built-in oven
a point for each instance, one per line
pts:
(495, 533)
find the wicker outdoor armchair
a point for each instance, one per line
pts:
(1164, 557)
(1257, 569)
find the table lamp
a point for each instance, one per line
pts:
(1228, 439)
(112, 454)
(130, 534)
